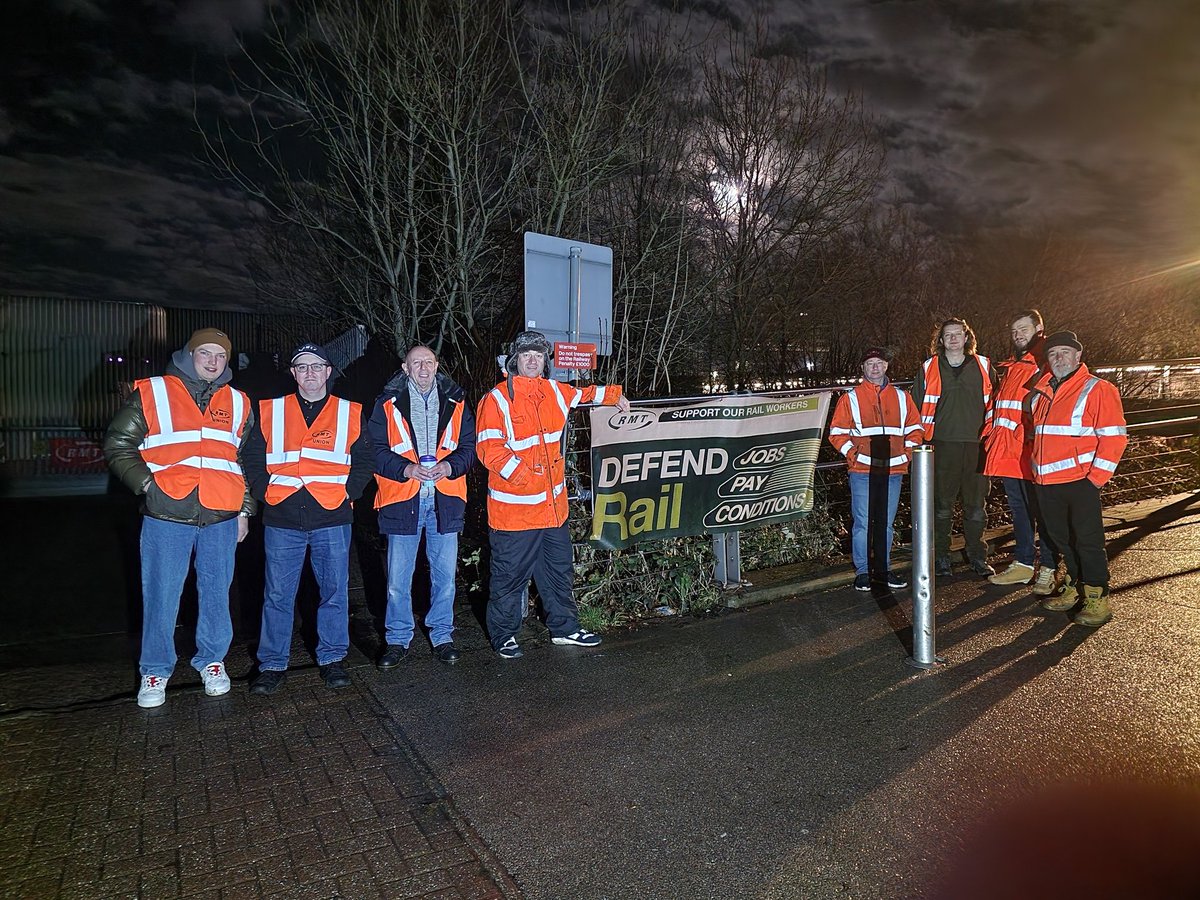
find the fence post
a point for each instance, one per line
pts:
(727, 549)
(924, 624)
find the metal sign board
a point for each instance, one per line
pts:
(568, 292)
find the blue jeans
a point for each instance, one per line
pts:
(873, 519)
(442, 552)
(329, 550)
(1022, 502)
(167, 549)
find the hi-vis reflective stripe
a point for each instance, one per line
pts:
(511, 441)
(599, 396)
(277, 455)
(869, 461)
(1105, 464)
(509, 467)
(856, 415)
(405, 443)
(200, 462)
(523, 499)
(506, 412)
(1008, 404)
(1059, 466)
(169, 438)
(1065, 430)
(158, 387)
(167, 435)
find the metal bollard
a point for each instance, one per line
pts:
(923, 590)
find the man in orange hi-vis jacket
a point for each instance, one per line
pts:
(875, 426)
(1078, 439)
(521, 423)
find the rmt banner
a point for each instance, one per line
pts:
(719, 465)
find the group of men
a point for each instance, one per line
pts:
(1049, 429)
(205, 459)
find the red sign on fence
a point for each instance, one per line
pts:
(77, 454)
(574, 356)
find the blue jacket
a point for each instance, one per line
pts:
(401, 518)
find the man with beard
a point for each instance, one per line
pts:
(307, 462)
(1008, 457)
(1078, 439)
(954, 391)
(178, 442)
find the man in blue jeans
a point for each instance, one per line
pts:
(178, 441)
(423, 436)
(308, 460)
(875, 427)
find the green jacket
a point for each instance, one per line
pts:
(126, 433)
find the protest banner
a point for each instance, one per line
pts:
(714, 466)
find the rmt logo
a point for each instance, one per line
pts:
(323, 437)
(632, 420)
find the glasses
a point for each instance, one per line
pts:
(305, 368)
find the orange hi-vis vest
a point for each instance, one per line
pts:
(519, 442)
(315, 458)
(1078, 430)
(186, 448)
(933, 393)
(400, 441)
(868, 412)
(1007, 448)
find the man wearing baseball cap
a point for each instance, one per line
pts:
(875, 427)
(307, 462)
(1078, 439)
(178, 442)
(522, 427)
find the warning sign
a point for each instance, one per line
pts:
(574, 356)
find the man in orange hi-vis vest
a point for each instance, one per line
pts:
(177, 441)
(954, 389)
(521, 424)
(423, 435)
(1078, 439)
(307, 462)
(875, 427)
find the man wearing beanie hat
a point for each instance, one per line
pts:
(522, 428)
(307, 462)
(177, 441)
(875, 426)
(1078, 439)
(1008, 457)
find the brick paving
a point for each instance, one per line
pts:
(308, 794)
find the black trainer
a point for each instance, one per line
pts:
(267, 683)
(447, 652)
(862, 582)
(392, 656)
(895, 582)
(335, 675)
(942, 567)
(980, 567)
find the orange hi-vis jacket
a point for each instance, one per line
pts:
(317, 458)
(185, 448)
(1078, 429)
(400, 441)
(1007, 447)
(869, 412)
(933, 393)
(519, 438)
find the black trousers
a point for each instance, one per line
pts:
(957, 471)
(543, 554)
(1075, 524)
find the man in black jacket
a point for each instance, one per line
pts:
(423, 434)
(177, 441)
(307, 462)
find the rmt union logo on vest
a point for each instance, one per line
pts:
(324, 438)
(222, 416)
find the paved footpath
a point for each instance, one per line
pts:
(785, 751)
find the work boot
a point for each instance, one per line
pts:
(1046, 582)
(1096, 610)
(1016, 573)
(1064, 601)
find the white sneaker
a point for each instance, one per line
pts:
(579, 639)
(153, 692)
(215, 678)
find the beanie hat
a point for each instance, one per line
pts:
(315, 349)
(209, 336)
(1063, 339)
(874, 353)
(528, 340)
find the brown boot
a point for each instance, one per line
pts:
(1064, 601)
(1096, 610)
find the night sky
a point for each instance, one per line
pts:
(1081, 117)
